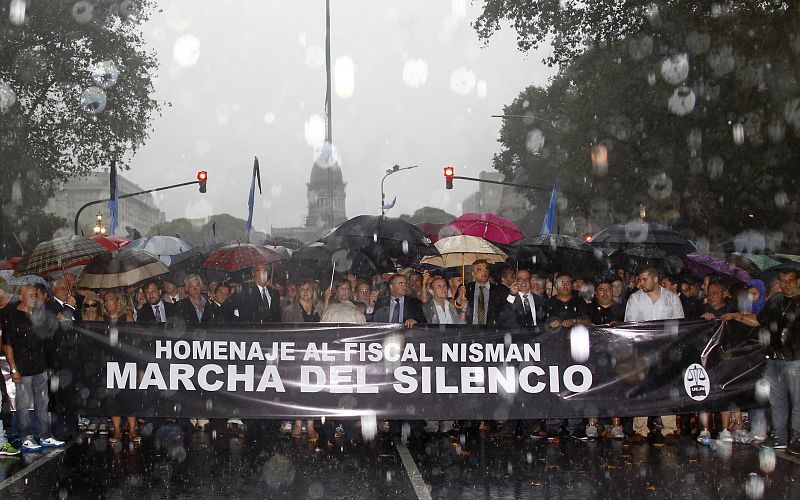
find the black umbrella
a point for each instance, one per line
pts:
(558, 252)
(637, 234)
(322, 258)
(636, 258)
(191, 262)
(770, 274)
(381, 238)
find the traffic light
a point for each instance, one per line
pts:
(449, 172)
(202, 177)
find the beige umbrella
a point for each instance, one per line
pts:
(464, 250)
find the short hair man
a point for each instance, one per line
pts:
(487, 301)
(399, 307)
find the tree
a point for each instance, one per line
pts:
(694, 118)
(75, 94)
(429, 214)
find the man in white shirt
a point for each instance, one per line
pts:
(528, 309)
(439, 310)
(653, 302)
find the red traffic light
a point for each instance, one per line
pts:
(202, 177)
(449, 172)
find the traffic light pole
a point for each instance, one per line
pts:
(95, 202)
(523, 186)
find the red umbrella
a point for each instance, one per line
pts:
(489, 227)
(112, 242)
(240, 256)
(9, 264)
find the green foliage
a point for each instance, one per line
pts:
(46, 135)
(714, 169)
(429, 214)
(230, 229)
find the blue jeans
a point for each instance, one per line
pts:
(784, 396)
(33, 388)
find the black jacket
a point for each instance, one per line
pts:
(412, 309)
(499, 312)
(521, 318)
(781, 317)
(145, 314)
(215, 313)
(184, 309)
(252, 307)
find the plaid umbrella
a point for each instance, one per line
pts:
(58, 254)
(489, 227)
(240, 256)
(120, 268)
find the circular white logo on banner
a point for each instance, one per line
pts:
(696, 382)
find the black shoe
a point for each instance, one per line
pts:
(656, 438)
(774, 444)
(794, 447)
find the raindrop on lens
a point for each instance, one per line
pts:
(186, 51)
(776, 131)
(579, 343)
(754, 488)
(675, 69)
(781, 199)
(651, 78)
(640, 47)
(82, 11)
(766, 460)
(715, 166)
(93, 100)
(415, 73)
(7, 97)
(599, 156)
(105, 74)
(738, 134)
(762, 390)
(462, 81)
(369, 426)
(16, 12)
(682, 101)
(535, 141)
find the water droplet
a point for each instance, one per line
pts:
(599, 156)
(269, 118)
(579, 345)
(781, 199)
(481, 89)
(660, 186)
(315, 57)
(722, 61)
(766, 460)
(186, 51)
(754, 487)
(675, 69)
(16, 12)
(640, 47)
(762, 389)
(535, 141)
(698, 43)
(82, 11)
(682, 101)
(94, 100)
(715, 166)
(7, 97)
(369, 426)
(315, 130)
(738, 134)
(105, 74)
(344, 77)
(776, 131)
(415, 73)
(462, 81)
(651, 78)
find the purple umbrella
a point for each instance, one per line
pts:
(702, 265)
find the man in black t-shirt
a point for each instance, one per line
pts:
(605, 310)
(565, 310)
(24, 346)
(716, 305)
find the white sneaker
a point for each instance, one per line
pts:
(591, 432)
(704, 434)
(51, 442)
(617, 432)
(286, 428)
(725, 436)
(30, 444)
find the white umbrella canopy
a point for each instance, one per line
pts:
(463, 250)
(120, 268)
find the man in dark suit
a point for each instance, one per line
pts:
(527, 307)
(63, 302)
(258, 302)
(155, 310)
(191, 309)
(494, 310)
(398, 307)
(218, 309)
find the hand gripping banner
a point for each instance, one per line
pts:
(434, 372)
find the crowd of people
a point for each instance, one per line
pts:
(500, 298)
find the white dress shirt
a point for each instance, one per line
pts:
(641, 308)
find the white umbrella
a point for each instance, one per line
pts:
(464, 250)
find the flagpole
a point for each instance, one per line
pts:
(328, 130)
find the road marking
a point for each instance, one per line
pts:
(27, 470)
(413, 472)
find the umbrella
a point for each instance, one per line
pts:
(636, 258)
(11, 263)
(380, 238)
(285, 252)
(704, 264)
(29, 279)
(240, 256)
(111, 242)
(750, 262)
(464, 250)
(191, 262)
(488, 226)
(638, 233)
(56, 254)
(772, 273)
(120, 268)
(164, 247)
(320, 256)
(558, 252)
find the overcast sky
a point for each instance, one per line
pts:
(413, 85)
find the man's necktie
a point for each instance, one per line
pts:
(396, 312)
(481, 306)
(526, 306)
(158, 313)
(264, 296)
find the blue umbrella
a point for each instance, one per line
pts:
(28, 279)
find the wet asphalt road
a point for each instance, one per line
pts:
(483, 467)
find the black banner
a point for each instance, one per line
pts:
(435, 372)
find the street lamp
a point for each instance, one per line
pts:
(99, 228)
(390, 171)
